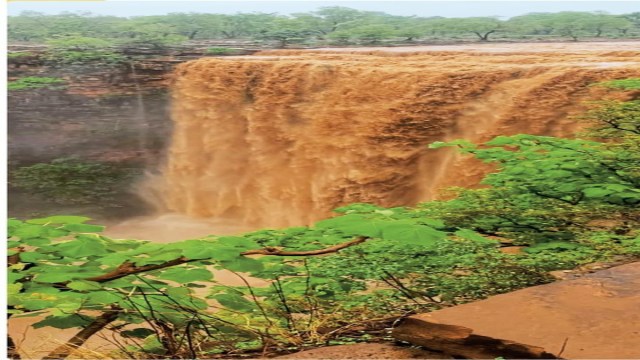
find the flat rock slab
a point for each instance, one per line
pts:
(365, 351)
(596, 316)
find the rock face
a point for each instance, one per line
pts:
(108, 113)
(593, 317)
(99, 112)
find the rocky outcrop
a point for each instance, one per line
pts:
(113, 113)
(101, 112)
(593, 317)
(461, 341)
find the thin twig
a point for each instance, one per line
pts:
(331, 249)
(254, 297)
(564, 345)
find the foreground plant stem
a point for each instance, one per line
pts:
(63, 351)
(129, 268)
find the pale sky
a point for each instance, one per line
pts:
(504, 9)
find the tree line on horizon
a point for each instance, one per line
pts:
(327, 25)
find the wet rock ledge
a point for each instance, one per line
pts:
(593, 317)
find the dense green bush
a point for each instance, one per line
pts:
(82, 50)
(84, 57)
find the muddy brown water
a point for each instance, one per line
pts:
(283, 137)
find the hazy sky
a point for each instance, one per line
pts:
(421, 8)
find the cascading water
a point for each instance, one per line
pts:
(282, 140)
(141, 113)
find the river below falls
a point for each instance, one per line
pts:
(171, 227)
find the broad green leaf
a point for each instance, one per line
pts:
(234, 302)
(63, 322)
(122, 244)
(81, 247)
(434, 223)
(179, 292)
(65, 307)
(354, 224)
(199, 253)
(12, 223)
(63, 274)
(83, 228)
(413, 234)
(37, 241)
(83, 285)
(103, 297)
(225, 253)
(13, 276)
(198, 249)
(30, 314)
(30, 231)
(113, 259)
(598, 192)
(32, 257)
(39, 301)
(236, 242)
(59, 220)
(13, 294)
(14, 289)
(152, 345)
(159, 258)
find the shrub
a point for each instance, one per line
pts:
(84, 56)
(33, 82)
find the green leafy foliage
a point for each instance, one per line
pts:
(327, 24)
(33, 82)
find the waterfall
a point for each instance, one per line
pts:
(282, 140)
